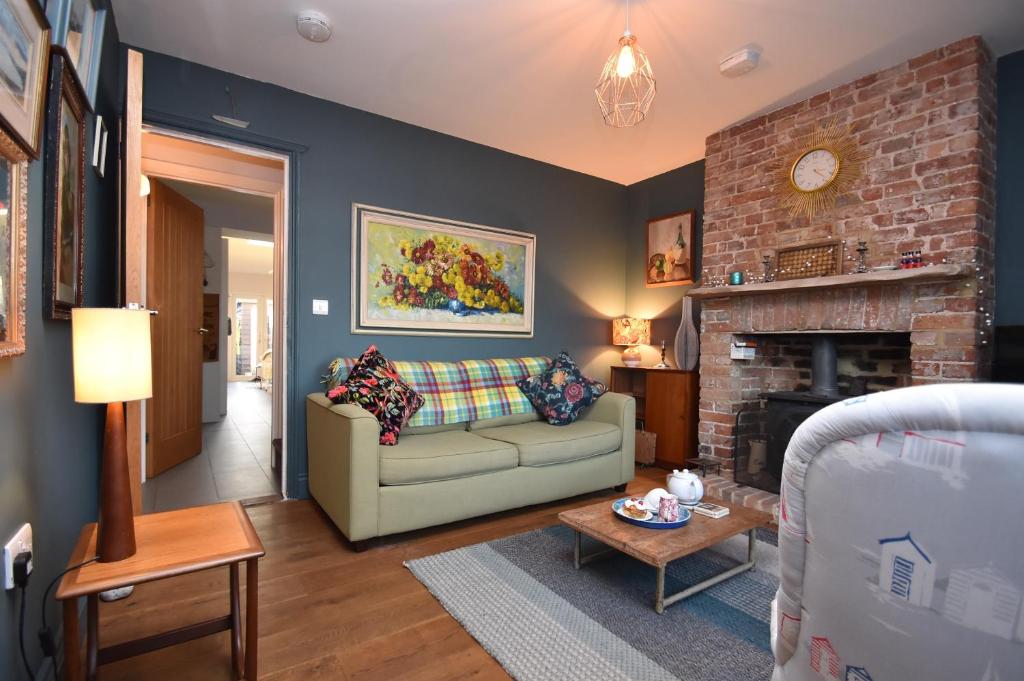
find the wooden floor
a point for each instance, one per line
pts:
(326, 612)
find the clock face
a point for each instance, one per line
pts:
(814, 170)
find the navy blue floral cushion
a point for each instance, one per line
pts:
(561, 392)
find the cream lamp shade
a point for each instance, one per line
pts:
(631, 331)
(112, 354)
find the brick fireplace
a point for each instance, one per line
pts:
(927, 127)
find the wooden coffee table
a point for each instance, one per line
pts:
(658, 548)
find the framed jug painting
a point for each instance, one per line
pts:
(64, 209)
(419, 275)
(669, 255)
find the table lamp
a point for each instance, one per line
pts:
(112, 365)
(631, 332)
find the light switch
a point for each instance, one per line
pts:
(319, 306)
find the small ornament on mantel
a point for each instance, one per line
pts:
(766, 262)
(862, 255)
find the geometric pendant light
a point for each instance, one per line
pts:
(627, 86)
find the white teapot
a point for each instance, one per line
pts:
(686, 486)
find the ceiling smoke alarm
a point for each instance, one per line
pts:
(313, 26)
(739, 63)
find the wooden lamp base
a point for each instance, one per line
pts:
(115, 530)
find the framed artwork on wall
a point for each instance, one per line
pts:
(24, 49)
(78, 30)
(64, 209)
(419, 275)
(669, 254)
(13, 225)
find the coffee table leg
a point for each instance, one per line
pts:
(663, 602)
(576, 549)
(659, 591)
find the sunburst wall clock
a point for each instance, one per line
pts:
(814, 170)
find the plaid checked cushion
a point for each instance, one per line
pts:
(456, 392)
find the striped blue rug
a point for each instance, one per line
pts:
(543, 620)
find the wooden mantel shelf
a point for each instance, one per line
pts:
(919, 275)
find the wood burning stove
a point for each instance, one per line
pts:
(787, 409)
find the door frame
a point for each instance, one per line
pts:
(283, 213)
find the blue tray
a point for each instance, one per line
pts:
(654, 523)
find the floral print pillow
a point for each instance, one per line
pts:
(561, 392)
(374, 385)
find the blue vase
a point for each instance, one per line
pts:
(457, 307)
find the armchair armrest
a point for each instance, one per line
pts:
(618, 410)
(344, 467)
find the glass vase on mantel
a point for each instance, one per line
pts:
(687, 345)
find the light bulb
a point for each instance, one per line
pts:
(625, 66)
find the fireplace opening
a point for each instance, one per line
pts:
(800, 375)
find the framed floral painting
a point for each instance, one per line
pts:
(669, 255)
(419, 275)
(64, 209)
(13, 223)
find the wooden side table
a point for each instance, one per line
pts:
(169, 544)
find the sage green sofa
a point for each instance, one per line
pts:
(440, 474)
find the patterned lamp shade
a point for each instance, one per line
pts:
(630, 331)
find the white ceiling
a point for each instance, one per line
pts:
(227, 209)
(519, 74)
(248, 258)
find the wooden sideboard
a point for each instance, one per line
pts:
(666, 404)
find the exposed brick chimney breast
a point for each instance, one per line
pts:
(928, 129)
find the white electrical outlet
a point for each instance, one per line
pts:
(319, 306)
(19, 543)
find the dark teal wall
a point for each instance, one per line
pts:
(677, 190)
(49, 449)
(1010, 191)
(353, 156)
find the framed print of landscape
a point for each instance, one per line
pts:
(419, 275)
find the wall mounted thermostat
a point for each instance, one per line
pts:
(319, 306)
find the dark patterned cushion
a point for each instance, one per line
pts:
(561, 392)
(375, 386)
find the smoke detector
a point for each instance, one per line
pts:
(739, 63)
(313, 26)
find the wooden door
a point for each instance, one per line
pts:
(174, 288)
(671, 412)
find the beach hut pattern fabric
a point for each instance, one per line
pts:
(895, 543)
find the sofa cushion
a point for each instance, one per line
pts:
(426, 430)
(561, 392)
(510, 420)
(443, 456)
(457, 392)
(541, 444)
(375, 386)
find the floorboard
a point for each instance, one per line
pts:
(325, 611)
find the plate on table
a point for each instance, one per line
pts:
(653, 522)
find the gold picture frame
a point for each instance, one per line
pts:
(13, 251)
(24, 55)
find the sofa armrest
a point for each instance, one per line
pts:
(618, 410)
(344, 466)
